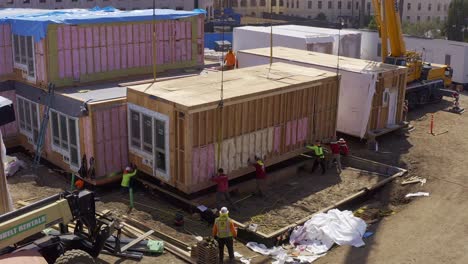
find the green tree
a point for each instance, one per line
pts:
(372, 24)
(430, 29)
(321, 16)
(456, 25)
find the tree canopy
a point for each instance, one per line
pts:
(457, 21)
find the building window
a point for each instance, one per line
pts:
(253, 2)
(28, 116)
(292, 4)
(24, 54)
(419, 6)
(445, 7)
(243, 3)
(429, 7)
(273, 2)
(26, 1)
(297, 3)
(339, 4)
(149, 136)
(418, 18)
(350, 5)
(439, 6)
(408, 6)
(330, 5)
(357, 5)
(368, 6)
(408, 18)
(281, 2)
(65, 135)
(262, 2)
(234, 4)
(309, 4)
(319, 4)
(448, 59)
(428, 18)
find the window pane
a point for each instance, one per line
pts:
(17, 48)
(34, 116)
(27, 108)
(74, 156)
(30, 44)
(159, 134)
(72, 132)
(63, 132)
(147, 134)
(161, 161)
(21, 112)
(55, 128)
(23, 49)
(135, 129)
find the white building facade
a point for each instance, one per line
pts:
(120, 4)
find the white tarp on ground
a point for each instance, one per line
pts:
(317, 236)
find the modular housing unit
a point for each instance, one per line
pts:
(77, 46)
(371, 96)
(85, 54)
(299, 37)
(179, 133)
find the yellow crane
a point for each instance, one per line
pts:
(426, 81)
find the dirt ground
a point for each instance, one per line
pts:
(299, 196)
(426, 230)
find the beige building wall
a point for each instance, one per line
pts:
(426, 10)
(120, 4)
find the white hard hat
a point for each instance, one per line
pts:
(223, 210)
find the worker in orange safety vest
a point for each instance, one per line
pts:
(230, 60)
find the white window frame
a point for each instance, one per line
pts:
(24, 131)
(139, 150)
(66, 152)
(23, 66)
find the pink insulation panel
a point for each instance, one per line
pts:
(107, 48)
(6, 50)
(41, 71)
(203, 163)
(11, 129)
(110, 148)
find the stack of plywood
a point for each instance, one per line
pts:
(371, 93)
(272, 112)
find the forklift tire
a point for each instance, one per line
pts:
(75, 257)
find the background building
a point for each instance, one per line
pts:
(412, 10)
(120, 4)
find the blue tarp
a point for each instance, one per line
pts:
(28, 22)
(210, 38)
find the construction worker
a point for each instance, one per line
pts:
(336, 155)
(344, 149)
(222, 189)
(230, 60)
(319, 156)
(224, 231)
(79, 184)
(129, 172)
(260, 174)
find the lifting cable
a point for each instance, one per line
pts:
(221, 101)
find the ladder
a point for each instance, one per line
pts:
(44, 124)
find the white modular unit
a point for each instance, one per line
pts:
(438, 51)
(371, 93)
(299, 37)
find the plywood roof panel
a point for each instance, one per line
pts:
(239, 84)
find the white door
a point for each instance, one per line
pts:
(392, 107)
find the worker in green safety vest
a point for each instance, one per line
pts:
(319, 152)
(129, 172)
(224, 231)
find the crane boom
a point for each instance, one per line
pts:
(393, 26)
